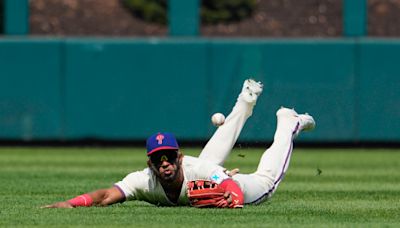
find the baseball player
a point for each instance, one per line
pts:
(169, 174)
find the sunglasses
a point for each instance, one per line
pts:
(169, 156)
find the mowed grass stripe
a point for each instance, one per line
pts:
(356, 188)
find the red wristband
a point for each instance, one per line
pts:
(81, 201)
(235, 191)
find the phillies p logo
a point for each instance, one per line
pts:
(159, 139)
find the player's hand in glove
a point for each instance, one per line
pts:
(204, 193)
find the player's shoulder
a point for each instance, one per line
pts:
(198, 163)
(142, 177)
(189, 159)
(197, 168)
(193, 161)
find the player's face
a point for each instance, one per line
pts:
(165, 164)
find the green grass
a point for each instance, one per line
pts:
(357, 188)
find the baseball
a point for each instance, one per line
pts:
(218, 119)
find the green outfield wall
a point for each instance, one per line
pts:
(126, 89)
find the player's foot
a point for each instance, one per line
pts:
(251, 90)
(304, 122)
(307, 122)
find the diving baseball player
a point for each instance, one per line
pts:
(171, 177)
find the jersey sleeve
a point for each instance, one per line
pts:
(218, 176)
(134, 183)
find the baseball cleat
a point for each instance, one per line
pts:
(307, 122)
(251, 90)
(304, 122)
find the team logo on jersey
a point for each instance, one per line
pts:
(160, 138)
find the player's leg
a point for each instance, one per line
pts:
(221, 143)
(275, 160)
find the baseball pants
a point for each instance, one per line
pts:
(261, 184)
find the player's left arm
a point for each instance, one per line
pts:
(233, 194)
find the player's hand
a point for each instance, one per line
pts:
(231, 172)
(228, 197)
(64, 204)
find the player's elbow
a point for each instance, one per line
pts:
(111, 196)
(105, 202)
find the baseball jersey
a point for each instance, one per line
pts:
(143, 185)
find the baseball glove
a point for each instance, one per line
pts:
(204, 193)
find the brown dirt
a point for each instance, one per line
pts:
(272, 18)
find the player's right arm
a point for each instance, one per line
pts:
(101, 197)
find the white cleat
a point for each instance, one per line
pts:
(251, 90)
(304, 122)
(307, 122)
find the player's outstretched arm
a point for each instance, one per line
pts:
(101, 197)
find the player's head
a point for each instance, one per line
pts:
(164, 156)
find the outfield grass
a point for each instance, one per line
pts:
(323, 188)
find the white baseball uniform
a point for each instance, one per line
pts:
(143, 185)
(257, 186)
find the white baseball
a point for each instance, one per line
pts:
(218, 119)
